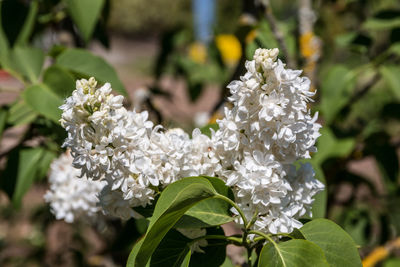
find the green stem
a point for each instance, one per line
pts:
(265, 236)
(255, 240)
(268, 237)
(249, 256)
(253, 220)
(233, 204)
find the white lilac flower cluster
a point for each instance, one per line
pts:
(134, 157)
(265, 132)
(267, 129)
(72, 198)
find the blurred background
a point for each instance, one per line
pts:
(175, 60)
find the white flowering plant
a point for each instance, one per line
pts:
(251, 170)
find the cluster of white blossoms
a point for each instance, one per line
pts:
(72, 198)
(124, 148)
(267, 129)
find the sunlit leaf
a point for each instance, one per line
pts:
(393, 262)
(175, 200)
(391, 75)
(44, 101)
(59, 81)
(293, 253)
(329, 146)
(336, 90)
(340, 250)
(21, 113)
(29, 23)
(20, 172)
(209, 212)
(28, 61)
(381, 24)
(84, 63)
(85, 14)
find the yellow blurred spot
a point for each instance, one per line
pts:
(375, 256)
(96, 260)
(380, 253)
(216, 116)
(229, 47)
(251, 36)
(198, 52)
(307, 48)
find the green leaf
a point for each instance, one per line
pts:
(133, 254)
(320, 200)
(28, 61)
(27, 170)
(395, 49)
(85, 14)
(336, 91)
(293, 253)
(3, 120)
(393, 262)
(172, 250)
(44, 163)
(175, 200)
(186, 260)
(210, 212)
(329, 146)
(356, 223)
(214, 253)
(41, 99)
(206, 129)
(21, 113)
(59, 81)
(391, 75)
(4, 45)
(175, 247)
(340, 250)
(87, 64)
(381, 24)
(27, 28)
(14, 14)
(20, 172)
(227, 263)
